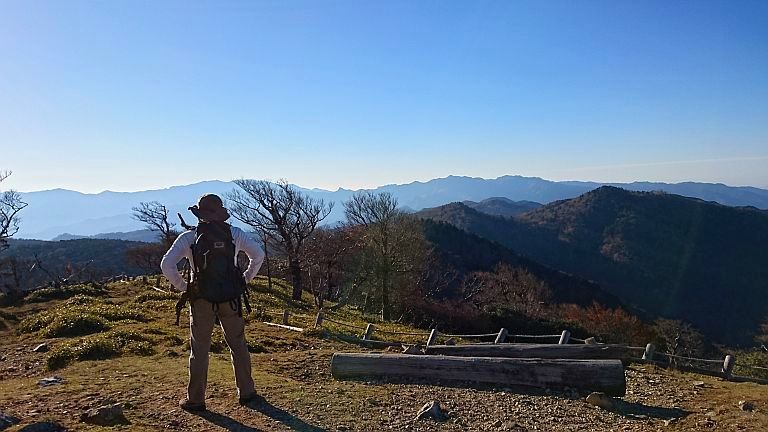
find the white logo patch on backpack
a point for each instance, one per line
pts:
(218, 245)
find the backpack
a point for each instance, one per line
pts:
(217, 278)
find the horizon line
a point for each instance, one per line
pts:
(157, 189)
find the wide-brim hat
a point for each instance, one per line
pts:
(210, 208)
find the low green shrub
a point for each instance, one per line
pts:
(100, 347)
(78, 320)
(82, 300)
(36, 322)
(155, 295)
(65, 292)
(118, 312)
(75, 324)
(255, 347)
(173, 340)
(166, 306)
(218, 344)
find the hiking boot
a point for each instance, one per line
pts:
(186, 405)
(251, 399)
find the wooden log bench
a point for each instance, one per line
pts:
(589, 375)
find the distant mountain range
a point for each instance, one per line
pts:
(145, 236)
(664, 254)
(55, 212)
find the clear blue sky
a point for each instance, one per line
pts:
(130, 95)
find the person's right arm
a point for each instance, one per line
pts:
(180, 249)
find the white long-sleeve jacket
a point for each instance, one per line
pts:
(182, 248)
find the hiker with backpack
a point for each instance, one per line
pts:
(217, 289)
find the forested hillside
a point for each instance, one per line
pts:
(36, 262)
(665, 254)
(500, 206)
(464, 253)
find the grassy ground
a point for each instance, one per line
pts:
(291, 370)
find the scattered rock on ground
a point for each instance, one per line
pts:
(107, 415)
(7, 420)
(43, 427)
(54, 380)
(601, 400)
(43, 347)
(413, 349)
(746, 405)
(698, 383)
(432, 411)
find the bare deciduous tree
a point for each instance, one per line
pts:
(10, 206)
(154, 215)
(394, 242)
(283, 212)
(13, 273)
(507, 289)
(326, 256)
(147, 257)
(678, 338)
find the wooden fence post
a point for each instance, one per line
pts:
(432, 337)
(502, 336)
(286, 315)
(144, 279)
(650, 349)
(565, 337)
(319, 320)
(369, 329)
(157, 282)
(728, 364)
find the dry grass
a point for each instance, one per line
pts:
(142, 364)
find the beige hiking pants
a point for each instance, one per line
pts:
(202, 317)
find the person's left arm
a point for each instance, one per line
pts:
(247, 244)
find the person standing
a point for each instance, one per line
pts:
(215, 292)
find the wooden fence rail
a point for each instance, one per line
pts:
(649, 353)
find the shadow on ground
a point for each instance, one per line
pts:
(638, 411)
(285, 418)
(225, 422)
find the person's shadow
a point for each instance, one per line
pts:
(263, 407)
(225, 422)
(282, 416)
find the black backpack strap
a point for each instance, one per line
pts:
(183, 299)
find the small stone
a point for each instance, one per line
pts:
(413, 349)
(496, 424)
(431, 410)
(107, 415)
(746, 406)
(7, 420)
(698, 383)
(54, 380)
(43, 427)
(601, 400)
(43, 347)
